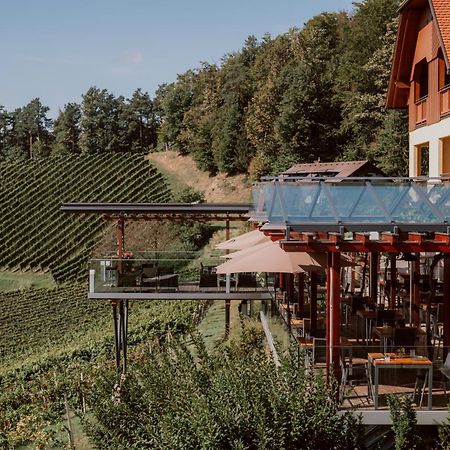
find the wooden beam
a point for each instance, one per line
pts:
(414, 295)
(334, 312)
(446, 339)
(313, 299)
(393, 292)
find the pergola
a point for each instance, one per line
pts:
(370, 215)
(168, 212)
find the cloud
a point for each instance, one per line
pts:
(135, 57)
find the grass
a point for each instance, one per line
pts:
(14, 281)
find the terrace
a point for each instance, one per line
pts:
(371, 306)
(383, 325)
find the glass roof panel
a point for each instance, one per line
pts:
(357, 201)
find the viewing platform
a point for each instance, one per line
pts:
(167, 277)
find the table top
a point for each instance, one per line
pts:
(286, 306)
(297, 322)
(378, 359)
(308, 342)
(389, 331)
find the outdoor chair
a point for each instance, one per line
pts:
(420, 385)
(358, 377)
(385, 316)
(438, 327)
(404, 337)
(247, 280)
(317, 332)
(319, 353)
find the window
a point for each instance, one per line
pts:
(421, 80)
(422, 156)
(444, 76)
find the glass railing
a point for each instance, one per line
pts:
(169, 272)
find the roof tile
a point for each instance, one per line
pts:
(442, 11)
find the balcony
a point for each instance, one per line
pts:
(444, 96)
(171, 276)
(421, 111)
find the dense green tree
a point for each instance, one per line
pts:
(29, 131)
(172, 102)
(141, 122)
(198, 121)
(231, 148)
(364, 74)
(310, 109)
(99, 122)
(3, 130)
(67, 129)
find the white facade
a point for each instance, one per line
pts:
(431, 136)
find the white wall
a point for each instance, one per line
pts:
(431, 134)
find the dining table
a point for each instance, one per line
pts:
(383, 361)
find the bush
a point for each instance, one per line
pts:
(178, 396)
(404, 422)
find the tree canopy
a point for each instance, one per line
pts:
(312, 92)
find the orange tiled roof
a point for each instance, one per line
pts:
(442, 13)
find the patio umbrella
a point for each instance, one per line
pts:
(270, 257)
(246, 240)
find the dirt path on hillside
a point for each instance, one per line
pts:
(182, 171)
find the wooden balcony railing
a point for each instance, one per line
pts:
(421, 111)
(444, 96)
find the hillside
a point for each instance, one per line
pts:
(181, 170)
(36, 236)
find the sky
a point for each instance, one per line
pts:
(57, 49)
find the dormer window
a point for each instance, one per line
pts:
(421, 80)
(444, 76)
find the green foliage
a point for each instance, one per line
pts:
(192, 235)
(67, 130)
(32, 395)
(232, 398)
(404, 422)
(444, 434)
(315, 92)
(36, 235)
(26, 131)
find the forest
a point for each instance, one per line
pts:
(313, 92)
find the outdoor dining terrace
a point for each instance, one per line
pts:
(171, 275)
(380, 352)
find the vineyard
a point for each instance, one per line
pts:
(36, 236)
(40, 318)
(36, 323)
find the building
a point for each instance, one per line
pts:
(338, 170)
(420, 81)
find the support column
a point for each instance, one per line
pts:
(414, 295)
(334, 289)
(313, 299)
(227, 302)
(227, 317)
(393, 293)
(120, 242)
(301, 294)
(116, 338)
(328, 311)
(446, 343)
(373, 276)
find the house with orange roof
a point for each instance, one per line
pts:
(420, 81)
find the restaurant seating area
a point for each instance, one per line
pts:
(386, 346)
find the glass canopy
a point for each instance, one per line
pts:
(354, 204)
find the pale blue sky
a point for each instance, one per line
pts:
(57, 49)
